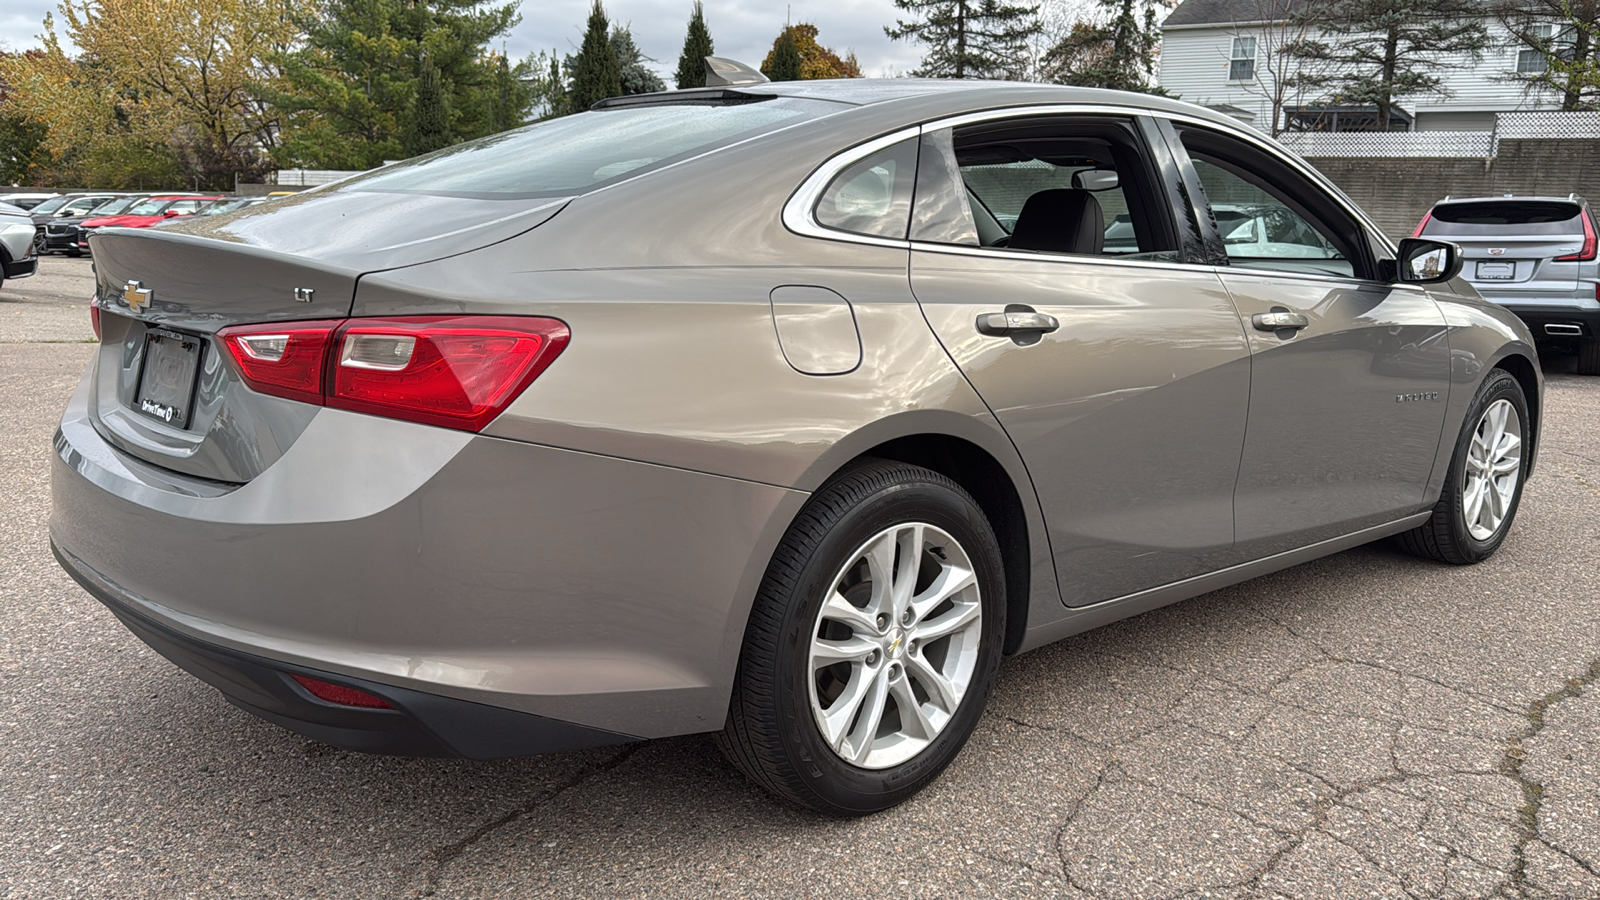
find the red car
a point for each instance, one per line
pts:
(147, 212)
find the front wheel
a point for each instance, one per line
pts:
(873, 642)
(1484, 484)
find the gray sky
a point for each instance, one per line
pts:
(742, 29)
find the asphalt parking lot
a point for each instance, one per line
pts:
(1368, 725)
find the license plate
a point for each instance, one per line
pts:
(1496, 271)
(166, 384)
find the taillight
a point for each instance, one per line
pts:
(1589, 242)
(284, 359)
(1426, 218)
(94, 315)
(338, 693)
(451, 371)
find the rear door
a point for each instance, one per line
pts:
(1348, 392)
(1517, 249)
(1119, 370)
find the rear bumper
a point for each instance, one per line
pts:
(21, 268)
(1558, 322)
(419, 724)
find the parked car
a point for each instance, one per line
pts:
(61, 234)
(66, 208)
(1536, 256)
(228, 204)
(147, 212)
(678, 415)
(17, 259)
(26, 200)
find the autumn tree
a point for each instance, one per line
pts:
(595, 73)
(811, 60)
(1374, 52)
(24, 158)
(696, 47)
(1565, 36)
(163, 89)
(969, 38)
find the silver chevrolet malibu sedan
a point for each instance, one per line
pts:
(779, 411)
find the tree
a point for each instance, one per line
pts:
(595, 73)
(814, 60)
(548, 86)
(1276, 32)
(783, 63)
(163, 89)
(696, 47)
(1377, 51)
(351, 80)
(430, 112)
(1566, 35)
(23, 156)
(636, 77)
(1118, 53)
(969, 38)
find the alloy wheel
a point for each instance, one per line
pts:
(1493, 469)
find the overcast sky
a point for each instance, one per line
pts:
(742, 29)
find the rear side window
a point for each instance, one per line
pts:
(873, 196)
(579, 153)
(1504, 217)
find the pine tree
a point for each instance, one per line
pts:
(969, 38)
(595, 73)
(636, 77)
(784, 62)
(430, 112)
(1119, 54)
(696, 47)
(1377, 51)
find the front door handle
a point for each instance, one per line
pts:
(1279, 319)
(1010, 323)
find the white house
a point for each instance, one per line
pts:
(1219, 53)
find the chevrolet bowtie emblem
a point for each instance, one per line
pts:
(137, 295)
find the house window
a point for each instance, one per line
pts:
(1531, 61)
(1242, 65)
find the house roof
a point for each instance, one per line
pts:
(1227, 12)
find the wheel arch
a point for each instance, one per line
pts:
(1526, 372)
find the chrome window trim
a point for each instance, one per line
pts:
(797, 212)
(1028, 256)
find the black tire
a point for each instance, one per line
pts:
(1446, 537)
(1589, 356)
(771, 733)
(74, 253)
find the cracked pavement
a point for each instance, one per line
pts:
(1367, 725)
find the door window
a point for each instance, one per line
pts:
(1074, 185)
(1269, 216)
(873, 196)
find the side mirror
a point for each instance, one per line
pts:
(1424, 261)
(1095, 179)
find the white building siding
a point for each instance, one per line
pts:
(1194, 66)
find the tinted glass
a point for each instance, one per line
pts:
(873, 196)
(574, 154)
(1505, 217)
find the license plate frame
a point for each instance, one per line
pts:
(1496, 271)
(167, 377)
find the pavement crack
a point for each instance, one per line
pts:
(443, 856)
(1516, 756)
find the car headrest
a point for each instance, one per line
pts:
(1060, 220)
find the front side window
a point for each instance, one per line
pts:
(872, 196)
(1242, 63)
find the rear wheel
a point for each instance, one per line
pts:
(1484, 484)
(1589, 357)
(872, 645)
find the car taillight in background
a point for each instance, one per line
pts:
(450, 371)
(1590, 244)
(1426, 218)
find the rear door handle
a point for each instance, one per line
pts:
(1279, 319)
(1008, 323)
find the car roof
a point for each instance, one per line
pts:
(1517, 198)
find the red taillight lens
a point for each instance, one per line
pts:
(450, 371)
(338, 693)
(1426, 218)
(94, 315)
(1590, 244)
(284, 359)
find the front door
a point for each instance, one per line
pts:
(1043, 261)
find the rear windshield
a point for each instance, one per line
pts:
(1506, 217)
(150, 207)
(574, 154)
(113, 207)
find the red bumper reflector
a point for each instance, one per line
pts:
(338, 693)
